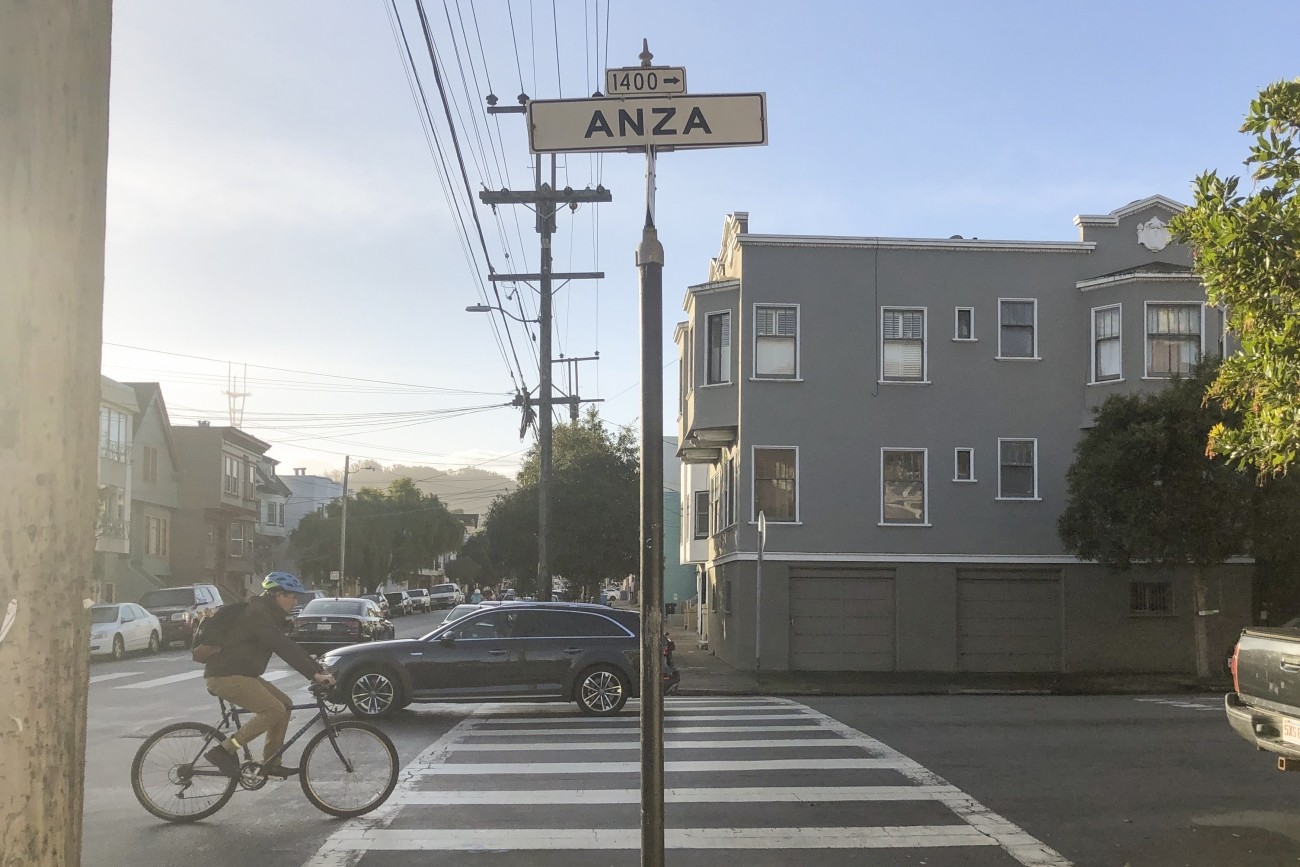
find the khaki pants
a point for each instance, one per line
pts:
(269, 704)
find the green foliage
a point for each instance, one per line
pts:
(595, 509)
(1247, 252)
(1142, 488)
(391, 534)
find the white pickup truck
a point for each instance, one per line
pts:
(445, 596)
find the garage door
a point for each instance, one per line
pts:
(1008, 621)
(842, 621)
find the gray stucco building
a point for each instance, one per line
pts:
(904, 411)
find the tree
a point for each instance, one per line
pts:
(1247, 252)
(54, 62)
(392, 534)
(1142, 489)
(595, 508)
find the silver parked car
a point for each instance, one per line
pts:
(117, 629)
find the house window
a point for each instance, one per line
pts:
(279, 515)
(776, 336)
(902, 345)
(149, 464)
(963, 465)
(1017, 469)
(155, 536)
(1106, 361)
(1017, 336)
(719, 350)
(112, 434)
(1173, 339)
(212, 533)
(236, 540)
(230, 473)
(902, 484)
(701, 514)
(1148, 598)
(776, 490)
(965, 325)
(722, 498)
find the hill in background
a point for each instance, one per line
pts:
(470, 489)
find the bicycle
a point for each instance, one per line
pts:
(346, 770)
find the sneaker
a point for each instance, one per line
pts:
(224, 760)
(279, 770)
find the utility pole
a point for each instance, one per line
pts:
(343, 527)
(54, 62)
(546, 198)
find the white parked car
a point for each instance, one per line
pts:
(116, 629)
(445, 596)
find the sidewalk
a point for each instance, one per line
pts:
(703, 673)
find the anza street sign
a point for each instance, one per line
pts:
(663, 122)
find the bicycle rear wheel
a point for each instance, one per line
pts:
(352, 778)
(163, 774)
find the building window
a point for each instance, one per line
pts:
(1106, 358)
(722, 497)
(1173, 339)
(902, 486)
(279, 515)
(902, 345)
(1017, 336)
(155, 536)
(1017, 469)
(965, 325)
(236, 540)
(230, 474)
(719, 350)
(776, 342)
(212, 533)
(701, 514)
(149, 461)
(776, 489)
(112, 434)
(963, 465)
(1147, 598)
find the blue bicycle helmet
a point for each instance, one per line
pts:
(283, 581)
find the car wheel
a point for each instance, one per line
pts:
(154, 643)
(601, 691)
(119, 647)
(373, 694)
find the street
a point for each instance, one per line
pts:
(943, 780)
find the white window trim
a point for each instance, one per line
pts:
(707, 331)
(925, 486)
(972, 464)
(1146, 337)
(798, 345)
(1092, 345)
(753, 465)
(1035, 356)
(925, 347)
(956, 318)
(695, 514)
(1035, 498)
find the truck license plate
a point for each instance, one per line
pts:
(1291, 730)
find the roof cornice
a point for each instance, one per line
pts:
(1113, 218)
(1136, 277)
(954, 244)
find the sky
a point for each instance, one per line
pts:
(281, 224)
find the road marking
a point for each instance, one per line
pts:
(569, 839)
(701, 795)
(672, 745)
(276, 675)
(636, 730)
(539, 768)
(99, 678)
(163, 681)
(705, 718)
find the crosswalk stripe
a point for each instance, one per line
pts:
(699, 795)
(535, 768)
(534, 839)
(634, 730)
(100, 678)
(704, 718)
(163, 681)
(672, 745)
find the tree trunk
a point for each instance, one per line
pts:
(54, 67)
(1200, 627)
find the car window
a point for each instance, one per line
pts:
(318, 607)
(216, 596)
(201, 596)
(177, 596)
(138, 611)
(127, 614)
(565, 624)
(103, 614)
(493, 624)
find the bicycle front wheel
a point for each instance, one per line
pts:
(352, 774)
(172, 780)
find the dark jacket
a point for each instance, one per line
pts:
(252, 638)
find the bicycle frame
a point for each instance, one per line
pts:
(230, 721)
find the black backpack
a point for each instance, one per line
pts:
(210, 632)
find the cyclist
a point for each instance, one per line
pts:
(235, 674)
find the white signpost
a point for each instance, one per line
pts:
(645, 80)
(636, 123)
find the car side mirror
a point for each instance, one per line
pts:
(447, 640)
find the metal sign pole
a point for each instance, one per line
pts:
(650, 262)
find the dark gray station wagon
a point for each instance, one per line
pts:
(513, 652)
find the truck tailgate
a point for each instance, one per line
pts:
(1268, 668)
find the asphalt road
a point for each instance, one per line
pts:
(943, 780)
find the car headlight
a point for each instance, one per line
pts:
(181, 616)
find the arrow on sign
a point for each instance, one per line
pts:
(672, 80)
